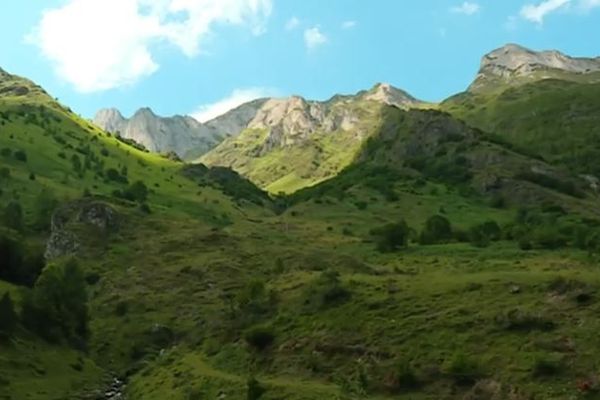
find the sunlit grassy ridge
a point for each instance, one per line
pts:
(289, 168)
(554, 118)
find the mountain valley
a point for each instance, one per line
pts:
(371, 246)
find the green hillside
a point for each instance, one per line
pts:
(309, 161)
(554, 118)
(431, 261)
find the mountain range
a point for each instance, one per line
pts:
(372, 246)
(257, 139)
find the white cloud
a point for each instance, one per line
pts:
(207, 112)
(589, 4)
(313, 38)
(467, 8)
(292, 24)
(348, 24)
(537, 13)
(97, 45)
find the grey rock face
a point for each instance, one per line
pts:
(513, 61)
(288, 120)
(182, 135)
(64, 241)
(294, 119)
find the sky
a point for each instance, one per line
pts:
(203, 57)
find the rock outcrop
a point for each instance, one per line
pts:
(64, 239)
(514, 62)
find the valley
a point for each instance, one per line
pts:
(372, 246)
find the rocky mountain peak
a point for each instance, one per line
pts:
(145, 112)
(110, 119)
(388, 94)
(514, 61)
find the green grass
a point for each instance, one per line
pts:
(555, 119)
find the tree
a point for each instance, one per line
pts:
(255, 389)
(391, 237)
(76, 162)
(138, 191)
(8, 316)
(45, 204)
(13, 216)
(437, 230)
(56, 308)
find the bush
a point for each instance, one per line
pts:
(547, 366)
(114, 175)
(13, 216)
(20, 155)
(137, 192)
(405, 378)
(463, 370)
(481, 235)
(325, 291)
(437, 230)
(391, 237)
(548, 237)
(260, 337)
(8, 316)
(45, 204)
(254, 389)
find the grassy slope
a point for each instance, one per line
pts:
(180, 267)
(290, 168)
(555, 118)
(36, 124)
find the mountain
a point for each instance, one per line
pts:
(291, 143)
(542, 103)
(191, 139)
(512, 64)
(127, 274)
(177, 134)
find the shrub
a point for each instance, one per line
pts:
(8, 316)
(45, 204)
(391, 237)
(405, 378)
(463, 370)
(20, 155)
(481, 235)
(361, 205)
(114, 175)
(548, 237)
(13, 216)
(4, 173)
(524, 321)
(547, 366)
(259, 337)
(254, 299)
(325, 291)
(437, 230)
(254, 389)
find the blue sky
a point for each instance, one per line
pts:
(203, 56)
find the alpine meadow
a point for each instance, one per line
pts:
(362, 246)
